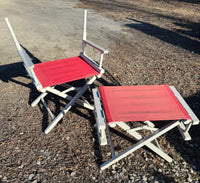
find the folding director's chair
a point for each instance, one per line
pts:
(115, 105)
(46, 76)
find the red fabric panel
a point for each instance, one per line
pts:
(141, 103)
(62, 71)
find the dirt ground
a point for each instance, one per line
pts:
(150, 42)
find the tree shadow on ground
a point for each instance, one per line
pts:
(185, 1)
(115, 7)
(192, 29)
(166, 35)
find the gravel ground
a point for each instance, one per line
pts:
(150, 42)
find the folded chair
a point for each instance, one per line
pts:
(46, 76)
(146, 105)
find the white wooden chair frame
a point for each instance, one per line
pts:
(103, 130)
(28, 64)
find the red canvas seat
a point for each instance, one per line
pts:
(62, 71)
(141, 103)
(146, 105)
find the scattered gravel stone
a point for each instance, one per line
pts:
(47, 153)
(21, 166)
(5, 178)
(114, 165)
(117, 176)
(184, 164)
(144, 178)
(113, 171)
(30, 177)
(73, 174)
(151, 166)
(189, 178)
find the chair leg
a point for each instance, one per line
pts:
(69, 105)
(151, 146)
(58, 118)
(68, 97)
(140, 144)
(47, 108)
(36, 101)
(184, 130)
(110, 142)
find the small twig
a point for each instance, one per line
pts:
(75, 155)
(32, 143)
(71, 168)
(2, 144)
(157, 161)
(53, 172)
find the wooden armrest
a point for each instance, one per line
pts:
(99, 48)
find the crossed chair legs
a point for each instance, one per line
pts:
(147, 141)
(64, 94)
(105, 100)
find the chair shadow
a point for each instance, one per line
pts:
(10, 71)
(161, 176)
(34, 59)
(168, 36)
(112, 80)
